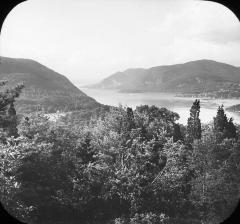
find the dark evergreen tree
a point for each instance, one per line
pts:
(220, 121)
(12, 116)
(130, 119)
(223, 127)
(177, 135)
(194, 123)
(231, 129)
(8, 117)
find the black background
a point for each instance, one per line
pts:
(7, 5)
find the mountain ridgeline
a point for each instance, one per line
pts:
(44, 89)
(202, 77)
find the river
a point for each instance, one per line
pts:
(181, 105)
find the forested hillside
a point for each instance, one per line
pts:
(44, 89)
(234, 108)
(202, 77)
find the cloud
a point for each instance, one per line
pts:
(221, 36)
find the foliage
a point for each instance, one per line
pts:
(8, 118)
(126, 167)
(224, 127)
(194, 124)
(177, 135)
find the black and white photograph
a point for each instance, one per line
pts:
(120, 112)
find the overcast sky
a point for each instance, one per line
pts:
(87, 40)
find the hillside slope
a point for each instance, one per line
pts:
(44, 89)
(200, 76)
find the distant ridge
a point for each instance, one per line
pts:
(201, 76)
(44, 89)
(35, 74)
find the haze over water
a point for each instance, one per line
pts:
(181, 105)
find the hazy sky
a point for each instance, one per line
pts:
(87, 40)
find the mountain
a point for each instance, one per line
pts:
(44, 89)
(202, 76)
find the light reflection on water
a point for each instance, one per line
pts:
(181, 105)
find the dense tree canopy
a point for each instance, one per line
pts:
(126, 167)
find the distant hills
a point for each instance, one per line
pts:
(234, 108)
(44, 89)
(202, 77)
(50, 91)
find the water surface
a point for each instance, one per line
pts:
(181, 105)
